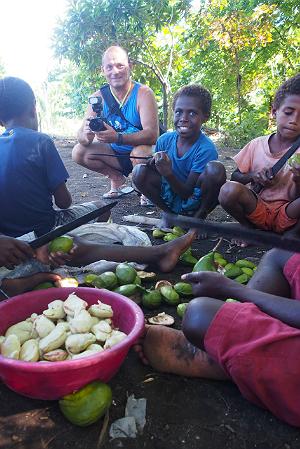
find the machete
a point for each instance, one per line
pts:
(235, 230)
(61, 230)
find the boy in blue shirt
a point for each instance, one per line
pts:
(184, 176)
(32, 173)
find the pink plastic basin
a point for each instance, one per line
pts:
(55, 379)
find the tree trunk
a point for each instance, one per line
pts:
(165, 105)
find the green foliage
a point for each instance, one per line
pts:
(241, 50)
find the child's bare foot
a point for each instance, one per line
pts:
(168, 351)
(171, 251)
(14, 287)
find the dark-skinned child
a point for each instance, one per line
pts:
(184, 176)
(277, 206)
(254, 342)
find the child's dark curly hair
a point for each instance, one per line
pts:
(16, 97)
(199, 92)
(289, 87)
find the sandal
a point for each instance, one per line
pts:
(117, 193)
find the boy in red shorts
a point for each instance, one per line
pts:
(254, 342)
(277, 206)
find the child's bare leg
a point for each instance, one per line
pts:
(210, 182)
(14, 287)
(165, 256)
(269, 277)
(168, 351)
(239, 202)
(148, 181)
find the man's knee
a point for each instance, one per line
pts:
(230, 192)
(197, 318)
(141, 151)
(78, 153)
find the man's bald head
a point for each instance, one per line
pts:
(116, 68)
(114, 50)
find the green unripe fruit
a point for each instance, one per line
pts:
(109, 280)
(245, 263)
(178, 231)
(233, 272)
(44, 285)
(86, 406)
(242, 279)
(170, 296)
(229, 265)
(151, 299)
(183, 288)
(61, 244)
(127, 289)
(125, 273)
(169, 237)
(158, 233)
(181, 308)
(90, 278)
(247, 271)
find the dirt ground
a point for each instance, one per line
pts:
(181, 412)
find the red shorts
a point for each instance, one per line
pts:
(271, 216)
(261, 355)
(291, 272)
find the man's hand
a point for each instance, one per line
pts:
(264, 177)
(213, 285)
(87, 135)
(13, 252)
(107, 136)
(163, 163)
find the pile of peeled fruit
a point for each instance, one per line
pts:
(66, 330)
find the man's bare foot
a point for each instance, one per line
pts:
(14, 287)
(168, 351)
(116, 183)
(171, 251)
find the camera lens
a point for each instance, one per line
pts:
(96, 124)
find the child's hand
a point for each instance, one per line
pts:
(56, 259)
(295, 169)
(163, 163)
(213, 285)
(264, 177)
(13, 252)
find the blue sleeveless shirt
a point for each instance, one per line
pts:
(131, 113)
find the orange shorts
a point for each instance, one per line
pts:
(271, 216)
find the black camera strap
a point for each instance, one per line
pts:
(113, 105)
(114, 108)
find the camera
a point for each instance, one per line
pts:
(97, 123)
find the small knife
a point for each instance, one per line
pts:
(61, 230)
(257, 188)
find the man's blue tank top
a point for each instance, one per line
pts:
(131, 113)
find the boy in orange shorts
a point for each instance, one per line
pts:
(277, 206)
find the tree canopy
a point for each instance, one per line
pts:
(241, 50)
